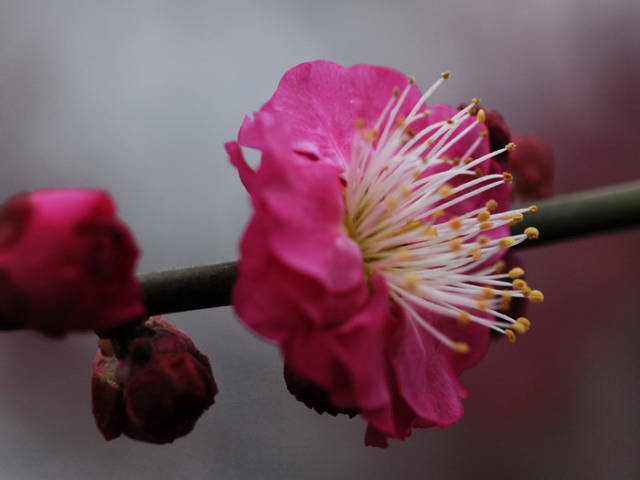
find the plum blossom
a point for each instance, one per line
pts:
(66, 263)
(373, 254)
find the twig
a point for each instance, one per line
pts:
(564, 217)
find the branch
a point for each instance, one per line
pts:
(564, 217)
(584, 213)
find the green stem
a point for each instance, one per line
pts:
(561, 218)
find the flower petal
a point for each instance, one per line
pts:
(321, 101)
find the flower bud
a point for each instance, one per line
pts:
(499, 135)
(157, 390)
(66, 263)
(532, 165)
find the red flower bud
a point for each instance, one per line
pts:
(157, 390)
(66, 263)
(499, 135)
(532, 165)
(531, 162)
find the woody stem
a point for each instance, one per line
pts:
(561, 218)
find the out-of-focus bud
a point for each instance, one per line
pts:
(532, 166)
(66, 263)
(499, 135)
(531, 162)
(158, 387)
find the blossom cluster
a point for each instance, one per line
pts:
(377, 258)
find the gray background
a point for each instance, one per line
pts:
(138, 97)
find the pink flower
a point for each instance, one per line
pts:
(66, 263)
(370, 255)
(157, 386)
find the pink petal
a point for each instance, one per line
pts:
(321, 102)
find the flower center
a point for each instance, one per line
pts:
(404, 202)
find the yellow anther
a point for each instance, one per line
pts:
(527, 291)
(519, 284)
(484, 133)
(426, 113)
(464, 318)
(487, 293)
(475, 100)
(445, 190)
(475, 253)
(482, 305)
(505, 242)
(510, 146)
(532, 233)
(507, 177)
(455, 245)
(371, 135)
(536, 296)
(499, 266)
(468, 160)
(484, 215)
(483, 239)
(450, 121)
(533, 209)
(437, 214)
(446, 74)
(510, 335)
(460, 347)
(504, 306)
(405, 190)
(473, 111)
(491, 205)
(516, 218)
(411, 281)
(478, 172)
(518, 327)
(506, 296)
(431, 231)
(455, 223)
(486, 225)
(524, 321)
(516, 272)
(401, 121)
(482, 116)
(106, 347)
(360, 123)
(411, 79)
(396, 91)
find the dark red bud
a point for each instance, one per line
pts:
(164, 385)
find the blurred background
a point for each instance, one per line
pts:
(137, 97)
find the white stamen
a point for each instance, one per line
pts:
(397, 214)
